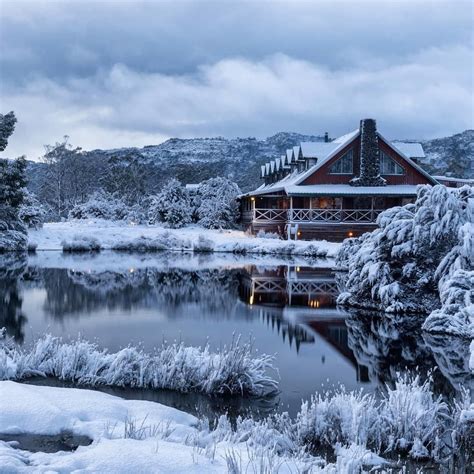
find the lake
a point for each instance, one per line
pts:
(287, 307)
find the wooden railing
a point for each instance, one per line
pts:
(334, 215)
(273, 215)
(312, 215)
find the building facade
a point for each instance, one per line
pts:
(335, 189)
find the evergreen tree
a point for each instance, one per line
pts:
(12, 184)
(171, 206)
(7, 126)
(32, 213)
(218, 207)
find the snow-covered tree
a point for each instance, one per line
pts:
(416, 253)
(171, 206)
(32, 213)
(69, 179)
(218, 206)
(7, 126)
(100, 205)
(12, 184)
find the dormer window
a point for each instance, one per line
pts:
(343, 165)
(389, 166)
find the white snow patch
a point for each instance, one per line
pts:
(110, 234)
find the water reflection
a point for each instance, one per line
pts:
(12, 268)
(289, 310)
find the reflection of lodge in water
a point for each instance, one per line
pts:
(300, 302)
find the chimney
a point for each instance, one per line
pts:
(326, 137)
(369, 156)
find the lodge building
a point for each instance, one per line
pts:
(335, 189)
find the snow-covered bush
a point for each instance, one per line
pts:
(171, 206)
(261, 234)
(218, 206)
(12, 185)
(203, 245)
(13, 233)
(399, 266)
(100, 205)
(32, 212)
(81, 243)
(163, 241)
(234, 370)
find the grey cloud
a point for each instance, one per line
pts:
(117, 74)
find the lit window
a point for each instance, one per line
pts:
(343, 165)
(389, 166)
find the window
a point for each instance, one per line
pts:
(343, 165)
(389, 166)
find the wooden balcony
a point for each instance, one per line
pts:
(297, 216)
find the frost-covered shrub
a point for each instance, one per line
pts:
(203, 244)
(218, 203)
(234, 370)
(81, 243)
(171, 206)
(408, 419)
(456, 289)
(100, 205)
(163, 241)
(32, 212)
(261, 234)
(399, 266)
(13, 233)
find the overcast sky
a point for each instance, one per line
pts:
(116, 73)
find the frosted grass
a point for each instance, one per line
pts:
(233, 370)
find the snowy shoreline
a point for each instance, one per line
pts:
(146, 436)
(121, 236)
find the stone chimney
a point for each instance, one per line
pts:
(326, 137)
(369, 156)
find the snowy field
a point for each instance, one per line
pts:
(134, 436)
(147, 437)
(119, 235)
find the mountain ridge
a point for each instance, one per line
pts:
(192, 160)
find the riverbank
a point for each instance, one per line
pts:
(121, 236)
(118, 435)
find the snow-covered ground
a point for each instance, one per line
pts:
(147, 437)
(138, 436)
(118, 234)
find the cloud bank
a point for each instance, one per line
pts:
(164, 78)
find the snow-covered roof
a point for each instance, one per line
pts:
(317, 149)
(347, 189)
(296, 151)
(324, 151)
(412, 150)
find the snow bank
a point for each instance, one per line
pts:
(234, 370)
(123, 236)
(141, 436)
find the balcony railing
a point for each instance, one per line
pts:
(272, 215)
(313, 215)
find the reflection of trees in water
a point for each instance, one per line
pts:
(452, 356)
(12, 267)
(388, 344)
(70, 292)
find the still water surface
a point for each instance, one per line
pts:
(286, 307)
